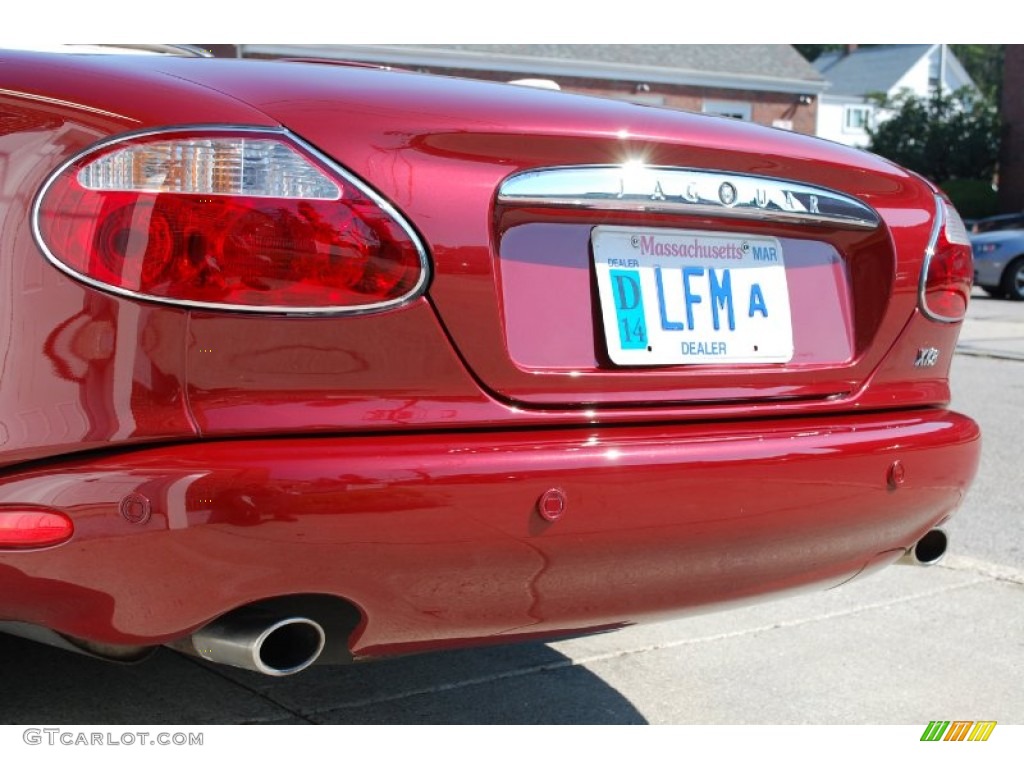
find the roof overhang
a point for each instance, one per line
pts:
(411, 56)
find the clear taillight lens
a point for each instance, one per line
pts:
(948, 270)
(228, 219)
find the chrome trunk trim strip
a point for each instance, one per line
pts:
(636, 187)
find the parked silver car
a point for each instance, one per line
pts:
(999, 263)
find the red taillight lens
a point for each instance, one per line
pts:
(948, 267)
(233, 219)
(29, 527)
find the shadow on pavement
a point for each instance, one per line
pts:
(512, 684)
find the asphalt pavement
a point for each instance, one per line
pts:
(905, 646)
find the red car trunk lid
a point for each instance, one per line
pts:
(515, 278)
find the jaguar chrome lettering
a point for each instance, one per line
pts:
(727, 193)
(680, 190)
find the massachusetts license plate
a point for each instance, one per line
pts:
(679, 297)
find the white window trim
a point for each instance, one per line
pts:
(849, 108)
(741, 110)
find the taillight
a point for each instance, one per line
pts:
(948, 267)
(28, 527)
(238, 219)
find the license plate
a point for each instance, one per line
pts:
(679, 297)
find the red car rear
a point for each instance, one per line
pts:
(297, 354)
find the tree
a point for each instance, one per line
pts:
(984, 63)
(952, 139)
(811, 51)
(944, 136)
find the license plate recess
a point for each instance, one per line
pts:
(682, 297)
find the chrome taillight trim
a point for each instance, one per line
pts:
(929, 253)
(416, 292)
(658, 189)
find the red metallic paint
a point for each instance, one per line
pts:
(397, 459)
(352, 383)
(436, 537)
(435, 143)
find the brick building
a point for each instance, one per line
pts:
(768, 84)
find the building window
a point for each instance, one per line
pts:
(650, 99)
(856, 119)
(935, 73)
(738, 110)
(647, 99)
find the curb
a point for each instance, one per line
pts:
(996, 354)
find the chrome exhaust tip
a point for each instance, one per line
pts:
(929, 550)
(253, 641)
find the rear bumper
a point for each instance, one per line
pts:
(438, 540)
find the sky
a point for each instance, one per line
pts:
(514, 21)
